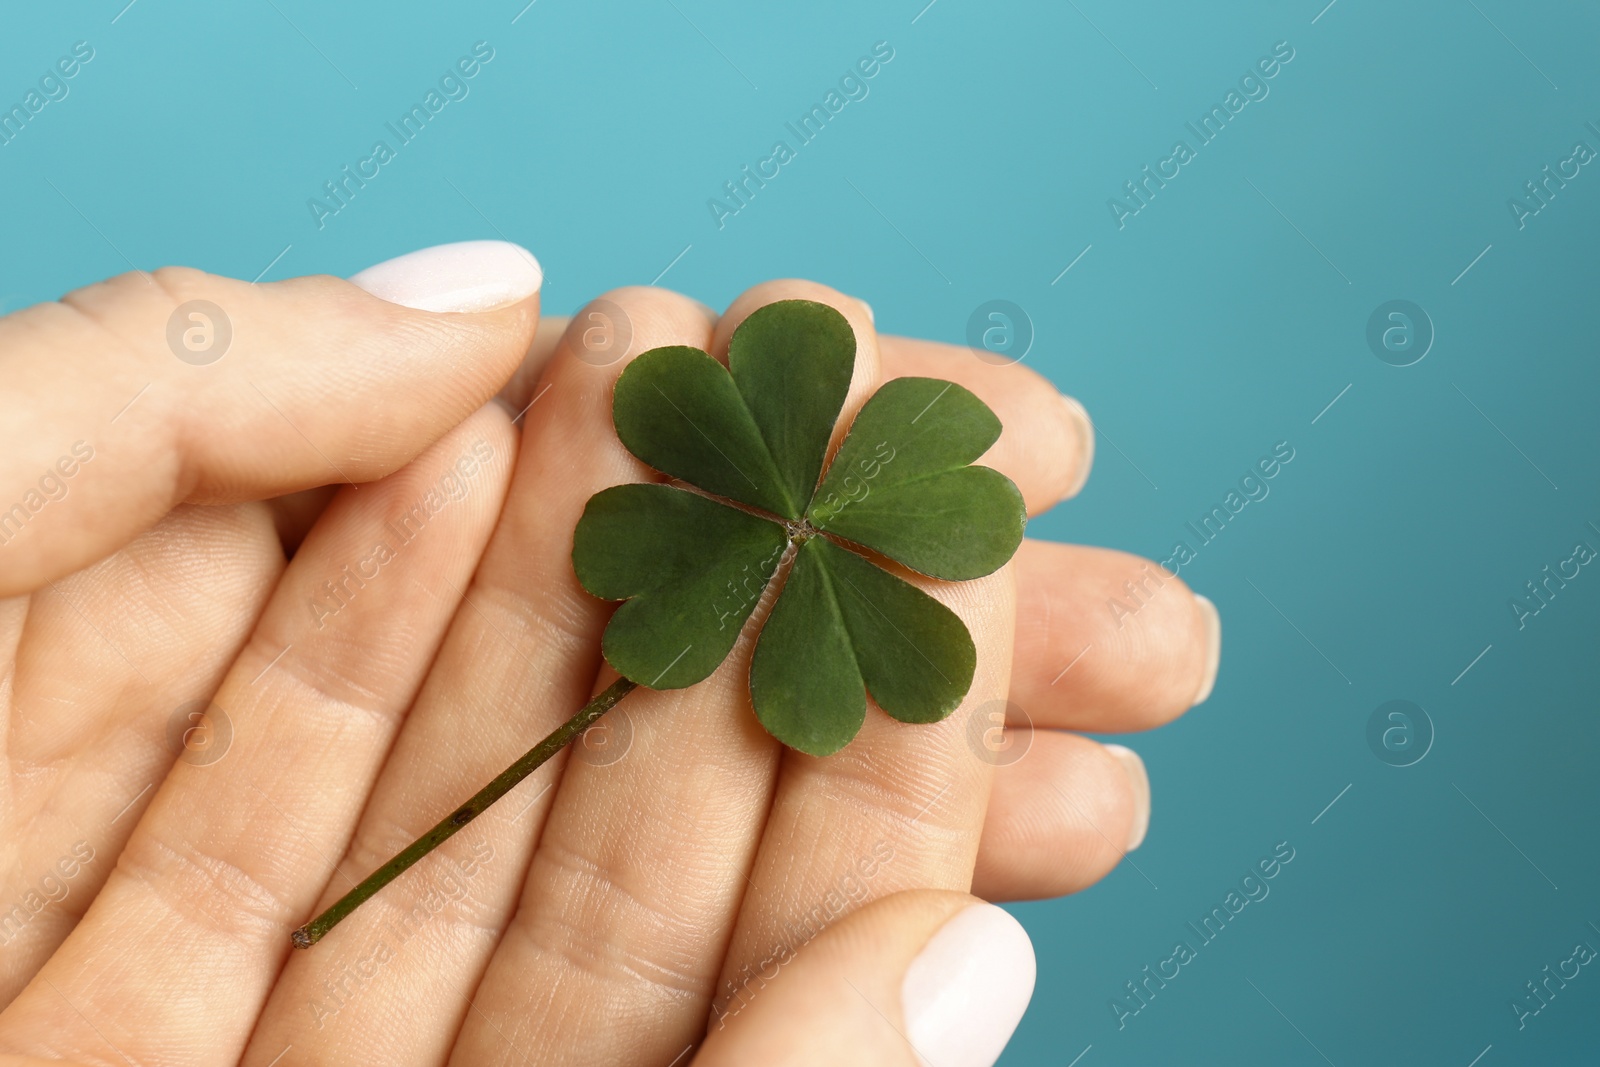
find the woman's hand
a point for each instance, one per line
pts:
(427, 630)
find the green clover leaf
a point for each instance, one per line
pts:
(691, 568)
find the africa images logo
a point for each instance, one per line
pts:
(1253, 888)
(52, 89)
(1252, 88)
(852, 86)
(453, 86)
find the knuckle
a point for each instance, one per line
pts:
(538, 622)
(666, 961)
(619, 325)
(650, 306)
(339, 686)
(444, 885)
(180, 284)
(133, 311)
(207, 890)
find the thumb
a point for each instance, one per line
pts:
(136, 394)
(918, 979)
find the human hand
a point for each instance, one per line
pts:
(605, 909)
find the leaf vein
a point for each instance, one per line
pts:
(709, 441)
(915, 647)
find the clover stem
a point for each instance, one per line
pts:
(503, 783)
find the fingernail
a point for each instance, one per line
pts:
(1213, 647)
(967, 989)
(868, 309)
(465, 276)
(1085, 431)
(1133, 766)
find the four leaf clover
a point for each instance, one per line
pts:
(752, 438)
(749, 439)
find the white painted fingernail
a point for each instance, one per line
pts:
(967, 989)
(465, 276)
(1085, 431)
(1133, 766)
(1213, 622)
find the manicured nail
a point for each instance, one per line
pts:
(967, 989)
(1085, 430)
(465, 276)
(1133, 766)
(1208, 610)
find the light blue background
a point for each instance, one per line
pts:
(1205, 331)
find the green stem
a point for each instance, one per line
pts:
(503, 783)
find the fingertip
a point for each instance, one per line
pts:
(707, 310)
(925, 977)
(1061, 816)
(1212, 621)
(1120, 643)
(464, 276)
(1139, 782)
(967, 990)
(1048, 444)
(1083, 428)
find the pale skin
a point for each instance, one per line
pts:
(606, 912)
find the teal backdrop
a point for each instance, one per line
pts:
(1442, 860)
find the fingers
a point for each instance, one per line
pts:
(525, 381)
(1064, 811)
(108, 666)
(903, 802)
(914, 979)
(1108, 642)
(1105, 642)
(1047, 446)
(293, 515)
(614, 951)
(194, 387)
(230, 856)
(520, 658)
